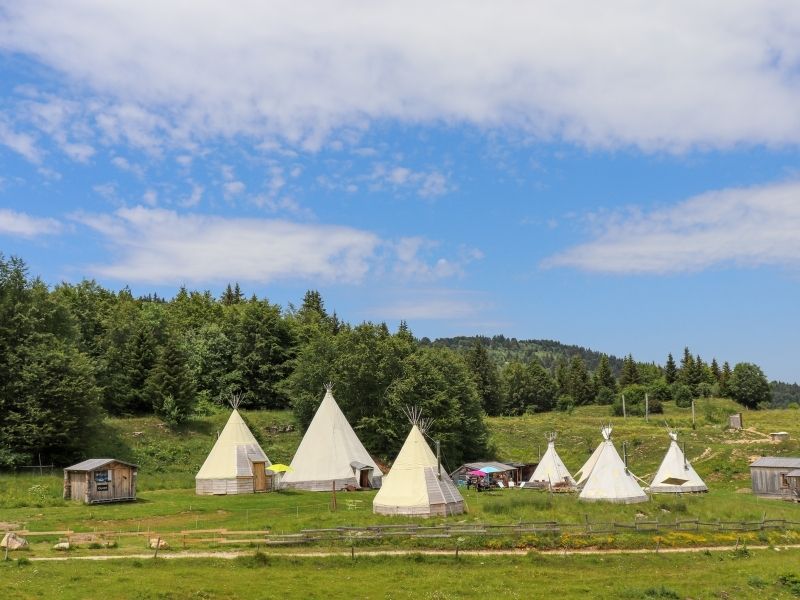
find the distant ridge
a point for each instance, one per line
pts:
(503, 349)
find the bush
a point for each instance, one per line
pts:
(704, 390)
(635, 402)
(682, 394)
(565, 403)
(660, 390)
(604, 396)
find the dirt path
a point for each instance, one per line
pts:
(232, 555)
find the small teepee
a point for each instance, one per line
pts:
(236, 463)
(551, 473)
(415, 485)
(331, 455)
(605, 477)
(676, 475)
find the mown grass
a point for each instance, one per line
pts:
(741, 575)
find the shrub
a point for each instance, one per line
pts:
(704, 390)
(682, 394)
(635, 402)
(660, 390)
(565, 403)
(604, 396)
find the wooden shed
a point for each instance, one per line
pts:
(100, 480)
(770, 476)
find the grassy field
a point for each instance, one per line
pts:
(167, 504)
(742, 574)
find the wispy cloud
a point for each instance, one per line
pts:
(22, 143)
(20, 224)
(163, 246)
(746, 227)
(598, 74)
(432, 304)
(413, 260)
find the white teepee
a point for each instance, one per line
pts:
(331, 455)
(236, 463)
(551, 472)
(414, 485)
(676, 475)
(605, 477)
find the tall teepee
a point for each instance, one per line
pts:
(676, 475)
(415, 486)
(551, 472)
(605, 477)
(331, 455)
(236, 463)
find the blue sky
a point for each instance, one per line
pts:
(615, 176)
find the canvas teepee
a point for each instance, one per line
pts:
(676, 475)
(605, 477)
(414, 485)
(331, 455)
(551, 473)
(236, 463)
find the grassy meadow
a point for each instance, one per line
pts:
(742, 574)
(167, 504)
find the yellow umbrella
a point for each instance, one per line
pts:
(279, 468)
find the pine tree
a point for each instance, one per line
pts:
(724, 380)
(170, 379)
(484, 373)
(141, 358)
(715, 370)
(630, 372)
(580, 386)
(670, 370)
(603, 377)
(687, 371)
(562, 377)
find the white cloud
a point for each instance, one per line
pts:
(124, 164)
(744, 226)
(428, 304)
(410, 262)
(150, 197)
(195, 197)
(656, 76)
(21, 143)
(161, 246)
(19, 224)
(426, 184)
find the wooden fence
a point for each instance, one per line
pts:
(353, 535)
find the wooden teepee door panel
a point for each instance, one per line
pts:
(259, 477)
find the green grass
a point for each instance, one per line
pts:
(169, 460)
(757, 574)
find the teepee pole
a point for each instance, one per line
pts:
(439, 458)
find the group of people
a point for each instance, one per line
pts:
(481, 484)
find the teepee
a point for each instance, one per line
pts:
(551, 473)
(236, 463)
(415, 485)
(605, 477)
(676, 475)
(331, 455)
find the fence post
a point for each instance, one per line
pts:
(158, 545)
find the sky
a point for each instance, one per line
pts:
(618, 175)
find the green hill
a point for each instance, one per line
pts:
(169, 459)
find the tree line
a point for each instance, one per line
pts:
(73, 353)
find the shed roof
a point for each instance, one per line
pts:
(95, 463)
(795, 473)
(784, 462)
(489, 463)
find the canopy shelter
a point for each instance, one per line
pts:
(331, 455)
(236, 463)
(415, 485)
(551, 473)
(676, 475)
(605, 477)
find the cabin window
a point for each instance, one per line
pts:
(784, 481)
(101, 476)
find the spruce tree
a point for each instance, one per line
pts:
(630, 372)
(603, 377)
(141, 358)
(670, 370)
(170, 387)
(580, 386)
(715, 370)
(724, 380)
(484, 373)
(687, 371)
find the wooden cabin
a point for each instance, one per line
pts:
(770, 476)
(99, 480)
